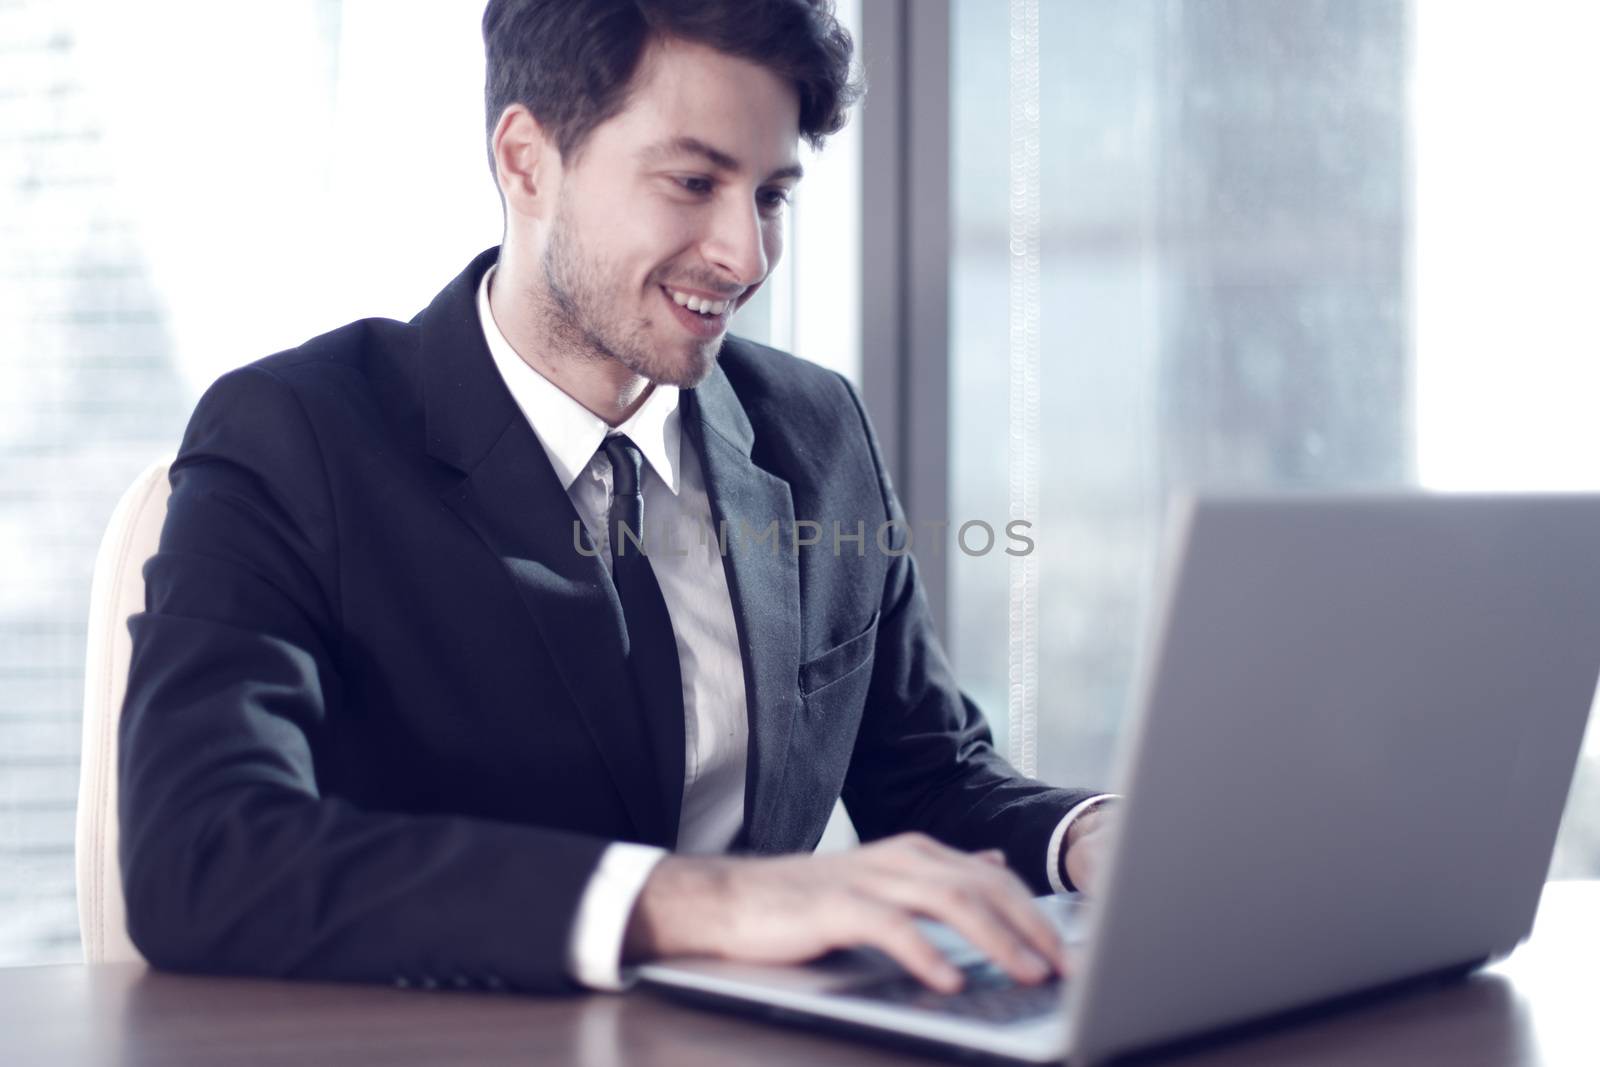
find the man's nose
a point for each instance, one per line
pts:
(736, 242)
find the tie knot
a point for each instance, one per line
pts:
(625, 460)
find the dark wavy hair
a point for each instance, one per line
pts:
(571, 62)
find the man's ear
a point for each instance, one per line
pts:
(526, 163)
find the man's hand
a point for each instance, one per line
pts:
(787, 909)
(1084, 855)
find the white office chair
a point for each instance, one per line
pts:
(118, 591)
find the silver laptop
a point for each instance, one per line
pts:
(1357, 721)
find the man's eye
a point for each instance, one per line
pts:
(772, 200)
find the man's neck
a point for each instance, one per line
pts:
(603, 386)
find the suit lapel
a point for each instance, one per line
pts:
(512, 498)
(765, 587)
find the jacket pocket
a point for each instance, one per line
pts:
(839, 661)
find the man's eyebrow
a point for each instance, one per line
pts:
(693, 146)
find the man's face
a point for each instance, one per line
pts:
(681, 195)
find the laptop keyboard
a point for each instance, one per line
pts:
(987, 993)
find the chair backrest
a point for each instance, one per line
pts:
(117, 592)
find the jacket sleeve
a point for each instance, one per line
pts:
(924, 758)
(233, 861)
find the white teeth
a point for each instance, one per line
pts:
(695, 303)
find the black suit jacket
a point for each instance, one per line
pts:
(378, 723)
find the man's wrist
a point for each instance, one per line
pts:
(1082, 824)
(594, 948)
(677, 910)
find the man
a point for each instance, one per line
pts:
(407, 705)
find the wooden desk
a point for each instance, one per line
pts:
(1541, 1006)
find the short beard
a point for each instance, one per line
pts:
(574, 316)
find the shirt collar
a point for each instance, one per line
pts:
(570, 432)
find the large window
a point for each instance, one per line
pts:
(1307, 244)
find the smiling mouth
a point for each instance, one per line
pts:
(699, 324)
(710, 308)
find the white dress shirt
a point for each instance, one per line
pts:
(695, 588)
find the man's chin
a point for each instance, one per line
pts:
(685, 373)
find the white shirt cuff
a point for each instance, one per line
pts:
(594, 955)
(1059, 838)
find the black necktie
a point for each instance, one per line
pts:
(652, 648)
